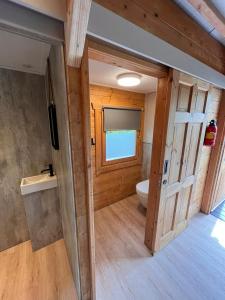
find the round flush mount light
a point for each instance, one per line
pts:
(129, 79)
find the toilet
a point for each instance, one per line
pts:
(142, 192)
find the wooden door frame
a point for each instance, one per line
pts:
(103, 52)
(163, 100)
(216, 156)
(112, 55)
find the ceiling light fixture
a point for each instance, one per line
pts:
(129, 79)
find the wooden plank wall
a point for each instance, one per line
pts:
(113, 186)
(213, 109)
(220, 187)
(215, 161)
(79, 124)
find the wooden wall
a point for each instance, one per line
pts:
(115, 185)
(79, 115)
(220, 187)
(214, 102)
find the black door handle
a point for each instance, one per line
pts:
(165, 167)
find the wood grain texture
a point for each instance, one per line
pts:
(100, 51)
(185, 133)
(170, 23)
(24, 149)
(63, 162)
(117, 183)
(210, 13)
(213, 156)
(191, 267)
(88, 166)
(44, 274)
(77, 147)
(76, 29)
(79, 121)
(159, 143)
(220, 186)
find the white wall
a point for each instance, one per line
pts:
(150, 103)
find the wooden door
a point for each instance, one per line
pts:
(174, 180)
(220, 185)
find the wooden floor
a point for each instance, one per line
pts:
(191, 267)
(40, 275)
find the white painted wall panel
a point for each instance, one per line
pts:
(150, 102)
(23, 54)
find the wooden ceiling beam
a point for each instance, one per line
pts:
(210, 14)
(76, 29)
(112, 55)
(170, 23)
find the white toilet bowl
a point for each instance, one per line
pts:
(142, 192)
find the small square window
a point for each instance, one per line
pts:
(120, 144)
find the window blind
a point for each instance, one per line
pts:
(121, 119)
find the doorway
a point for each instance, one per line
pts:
(31, 237)
(115, 175)
(180, 97)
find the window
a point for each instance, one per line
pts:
(118, 133)
(120, 144)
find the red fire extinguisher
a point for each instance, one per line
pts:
(210, 134)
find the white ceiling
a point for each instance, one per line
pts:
(219, 5)
(23, 54)
(104, 74)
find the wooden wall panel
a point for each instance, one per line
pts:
(78, 152)
(215, 159)
(220, 188)
(114, 185)
(212, 113)
(79, 123)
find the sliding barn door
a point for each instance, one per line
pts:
(170, 201)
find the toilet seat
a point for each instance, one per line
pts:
(142, 188)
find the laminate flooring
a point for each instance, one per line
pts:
(41, 275)
(191, 267)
